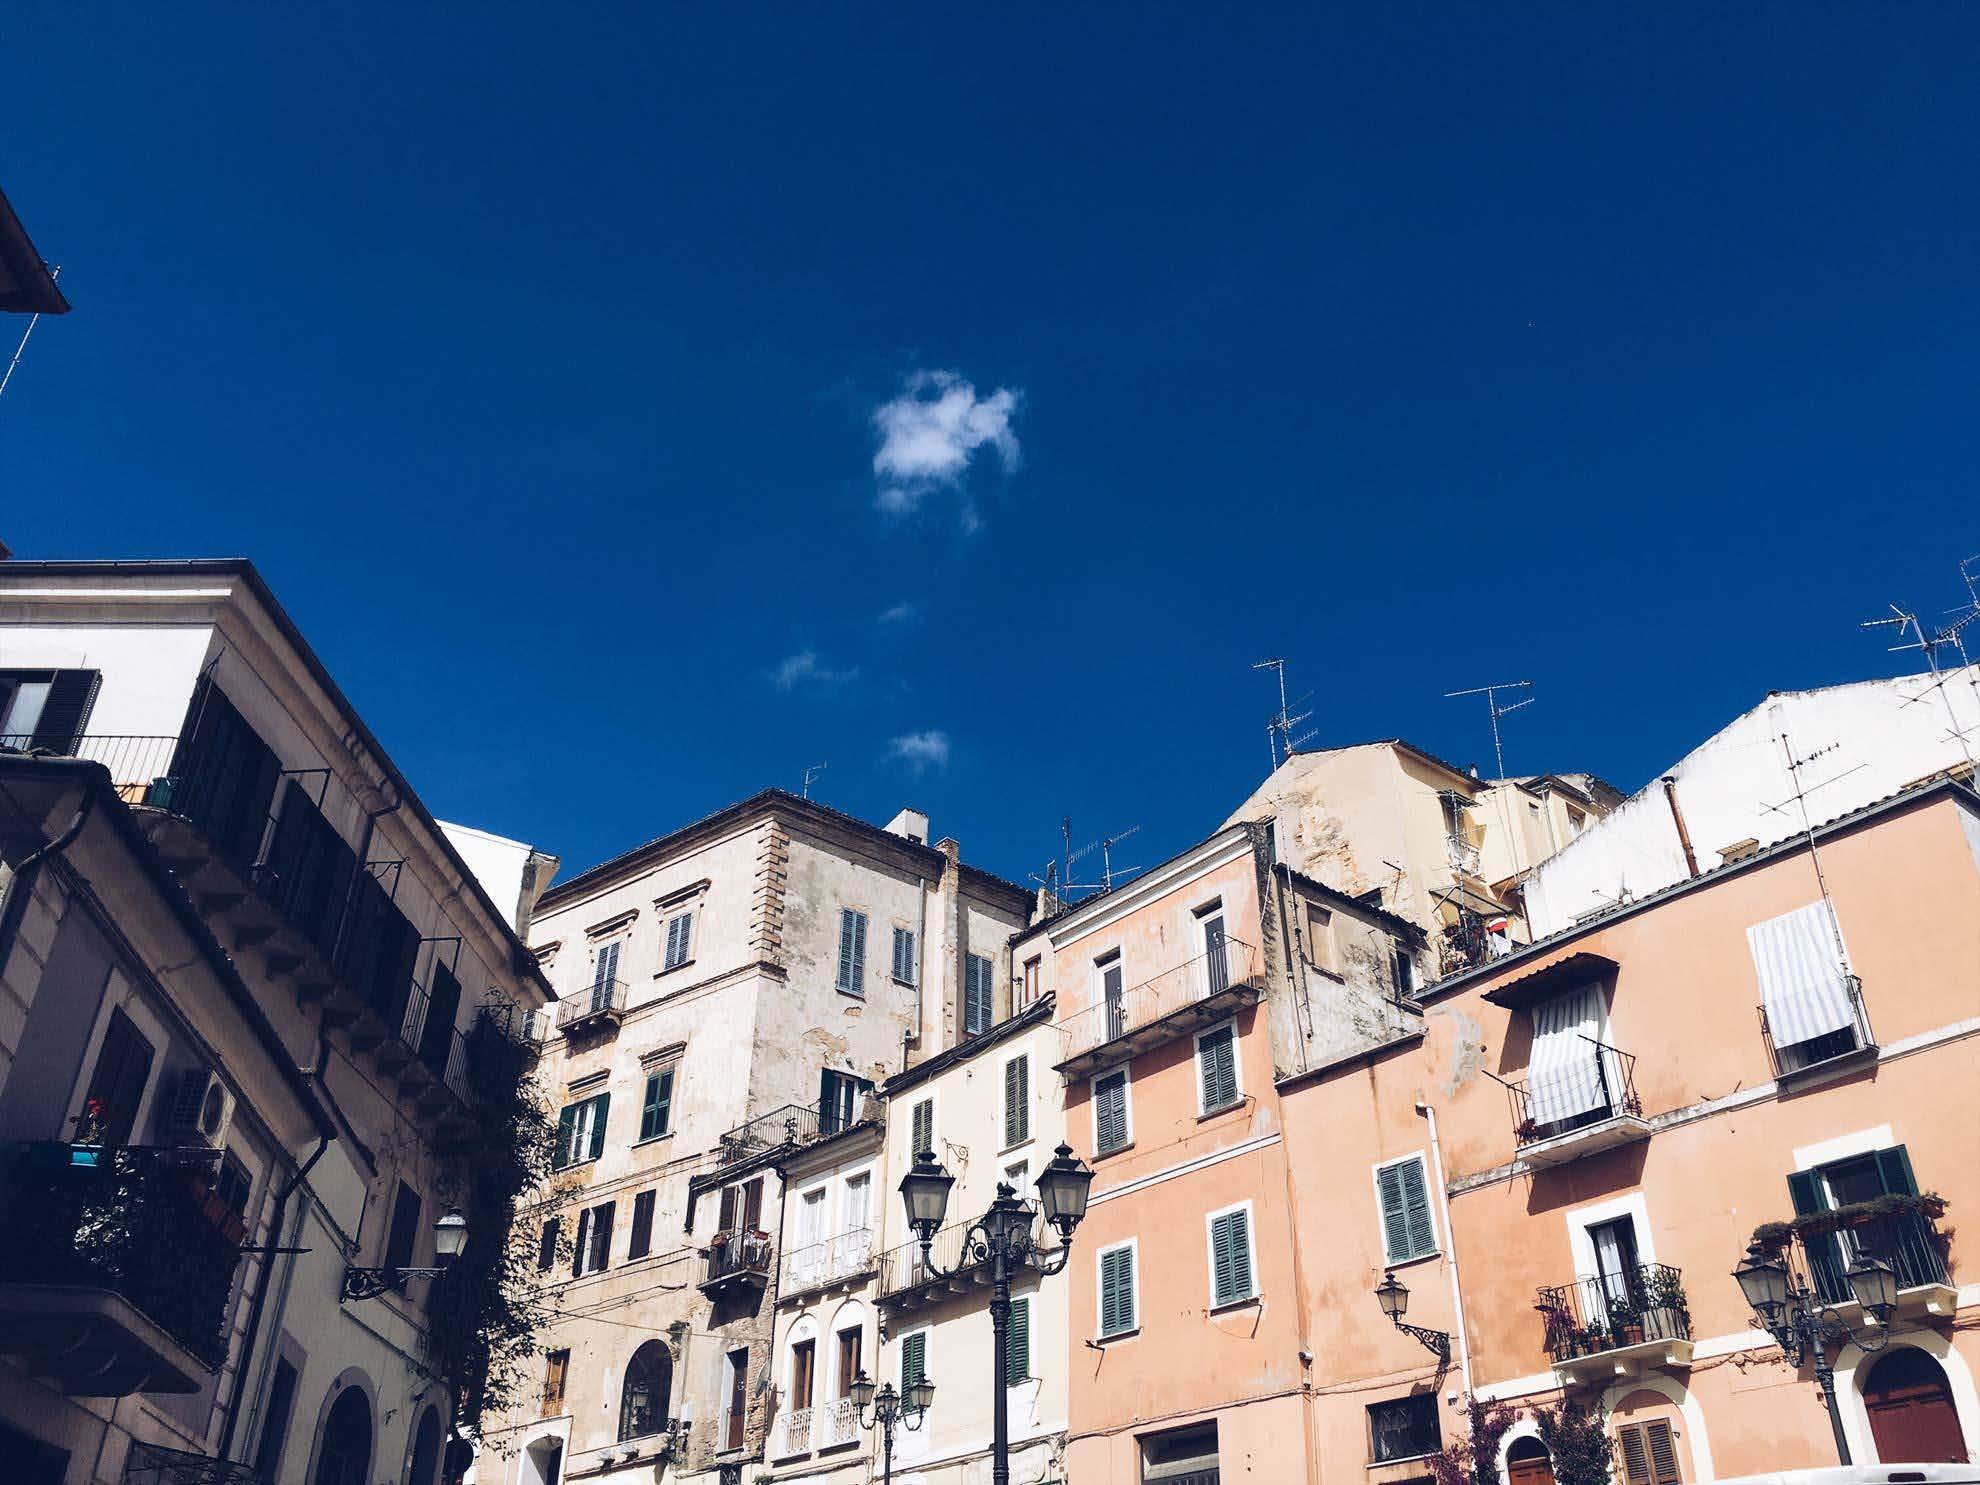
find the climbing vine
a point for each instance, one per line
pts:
(1473, 1459)
(1577, 1440)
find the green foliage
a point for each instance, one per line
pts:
(1577, 1440)
(1774, 1236)
(1473, 1459)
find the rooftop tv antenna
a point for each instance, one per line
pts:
(1105, 846)
(34, 319)
(811, 773)
(1912, 635)
(1279, 731)
(1491, 695)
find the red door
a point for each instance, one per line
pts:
(1527, 1464)
(1911, 1411)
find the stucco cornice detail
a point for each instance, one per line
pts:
(1226, 846)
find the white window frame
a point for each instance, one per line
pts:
(927, 1096)
(1030, 1103)
(1237, 1067)
(1580, 1219)
(1126, 1070)
(1430, 1198)
(1133, 1245)
(845, 1184)
(1018, 1174)
(692, 912)
(1102, 962)
(914, 966)
(1324, 957)
(1210, 1256)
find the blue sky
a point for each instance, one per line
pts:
(540, 359)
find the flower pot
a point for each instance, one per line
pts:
(1632, 1333)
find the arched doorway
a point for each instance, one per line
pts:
(426, 1449)
(1912, 1418)
(1527, 1463)
(345, 1455)
(643, 1399)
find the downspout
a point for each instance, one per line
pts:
(1677, 818)
(22, 884)
(1450, 1243)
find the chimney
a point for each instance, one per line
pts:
(1677, 817)
(910, 824)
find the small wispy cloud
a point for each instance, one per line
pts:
(805, 669)
(930, 434)
(921, 751)
(901, 614)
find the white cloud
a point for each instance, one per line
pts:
(905, 612)
(804, 669)
(921, 751)
(931, 432)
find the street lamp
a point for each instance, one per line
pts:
(1393, 1296)
(450, 1235)
(1804, 1327)
(888, 1407)
(1002, 1237)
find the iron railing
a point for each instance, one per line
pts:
(1602, 1088)
(1464, 855)
(793, 1124)
(838, 1423)
(1909, 1241)
(154, 1464)
(1794, 1057)
(903, 1270)
(606, 998)
(1610, 1311)
(794, 1432)
(736, 1254)
(1231, 963)
(135, 762)
(830, 1262)
(129, 1219)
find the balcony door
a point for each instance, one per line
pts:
(1567, 1083)
(1616, 1262)
(1216, 963)
(1113, 996)
(1912, 1417)
(344, 1457)
(604, 974)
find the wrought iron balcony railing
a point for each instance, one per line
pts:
(154, 1464)
(1908, 1240)
(904, 1274)
(794, 1432)
(838, 1423)
(833, 1261)
(1791, 1058)
(795, 1124)
(1613, 1311)
(1593, 1091)
(135, 763)
(131, 1220)
(1231, 965)
(736, 1257)
(605, 1000)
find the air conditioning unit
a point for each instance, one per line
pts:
(202, 1108)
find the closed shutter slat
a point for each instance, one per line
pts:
(1416, 1210)
(914, 1359)
(1017, 1352)
(1636, 1464)
(1395, 1222)
(602, 1103)
(1663, 1454)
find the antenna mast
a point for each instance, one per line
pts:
(55, 275)
(811, 773)
(1905, 622)
(1491, 695)
(1278, 732)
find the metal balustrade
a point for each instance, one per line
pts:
(1231, 965)
(1604, 1088)
(736, 1256)
(135, 762)
(833, 1261)
(1607, 1312)
(794, 1124)
(794, 1432)
(605, 1000)
(1790, 1058)
(904, 1273)
(838, 1423)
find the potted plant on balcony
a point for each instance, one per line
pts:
(1666, 1311)
(1625, 1320)
(1525, 1132)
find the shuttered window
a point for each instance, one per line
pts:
(46, 708)
(546, 1247)
(852, 952)
(924, 1126)
(1017, 1350)
(581, 1131)
(1407, 1231)
(641, 1240)
(914, 1358)
(1017, 1101)
(1117, 1299)
(680, 933)
(904, 955)
(1649, 1453)
(1110, 1111)
(1230, 1258)
(1216, 1068)
(657, 1109)
(979, 998)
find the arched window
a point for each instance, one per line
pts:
(426, 1449)
(345, 1455)
(1528, 1463)
(643, 1401)
(1911, 1410)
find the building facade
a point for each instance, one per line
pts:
(253, 998)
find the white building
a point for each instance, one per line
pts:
(1735, 793)
(259, 946)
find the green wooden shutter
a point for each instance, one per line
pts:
(601, 1236)
(546, 1251)
(914, 1359)
(1395, 1219)
(659, 1099)
(1116, 1291)
(1416, 1210)
(1110, 1111)
(1017, 1100)
(1216, 1061)
(924, 1126)
(640, 1243)
(1017, 1349)
(565, 1122)
(1894, 1166)
(1825, 1260)
(582, 1248)
(1230, 1255)
(602, 1103)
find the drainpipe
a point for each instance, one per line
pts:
(22, 883)
(1677, 817)
(1450, 1242)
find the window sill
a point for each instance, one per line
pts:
(667, 969)
(1024, 1144)
(1382, 1464)
(1117, 1150)
(1430, 1257)
(558, 1170)
(850, 994)
(1327, 974)
(1222, 1109)
(654, 1139)
(910, 984)
(1117, 1337)
(1250, 1301)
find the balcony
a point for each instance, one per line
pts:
(837, 1261)
(793, 1433)
(154, 1464)
(118, 1274)
(838, 1424)
(136, 764)
(1617, 1325)
(1578, 1110)
(906, 1280)
(1175, 1003)
(1909, 1240)
(735, 1260)
(602, 1005)
(1813, 1059)
(791, 1127)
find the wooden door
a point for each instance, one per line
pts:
(1527, 1463)
(1911, 1411)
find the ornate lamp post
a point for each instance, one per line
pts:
(1001, 1237)
(450, 1236)
(887, 1407)
(1804, 1327)
(1393, 1295)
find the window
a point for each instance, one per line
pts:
(1113, 993)
(605, 974)
(275, 1432)
(546, 1245)
(1185, 1456)
(643, 1397)
(1117, 1290)
(1216, 958)
(641, 1241)
(858, 1213)
(1616, 1282)
(1231, 1279)
(904, 955)
(979, 996)
(656, 1111)
(849, 1351)
(556, 1365)
(232, 1184)
(1320, 939)
(1649, 1456)
(1405, 973)
(1017, 1347)
(1111, 1123)
(1408, 1231)
(116, 1086)
(840, 1096)
(1403, 1428)
(803, 1358)
(404, 1232)
(594, 1240)
(1864, 1178)
(1569, 1082)
(46, 708)
(1808, 998)
(680, 940)
(1032, 967)
(1216, 1069)
(852, 952)
(923, 1121)
(742, 1203)
(581, 1131)
(914, 1358)
(1576, 820)
(738, 1410)
(1017, 1101)
(1017, 1174)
